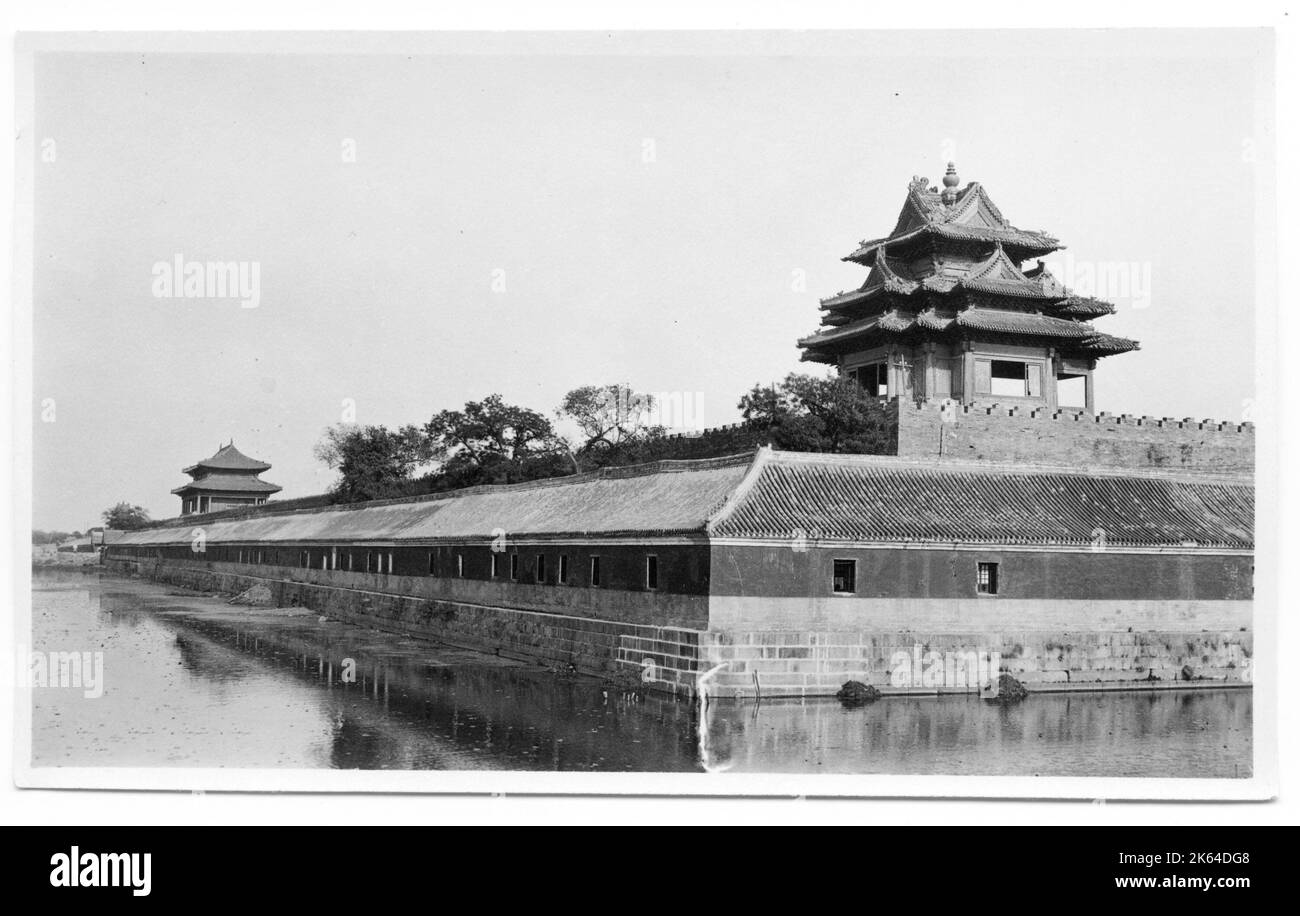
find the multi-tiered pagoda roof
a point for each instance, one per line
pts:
(228, 478)
(953, 268)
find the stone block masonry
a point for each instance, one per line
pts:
(661, 659)
(799, 663)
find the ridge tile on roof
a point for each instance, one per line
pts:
(890, 500)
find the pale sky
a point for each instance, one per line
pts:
(647, 211)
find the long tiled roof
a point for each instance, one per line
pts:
(783, 495)
(668, 497)
(889, 500)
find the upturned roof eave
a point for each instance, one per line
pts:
(196, 485)
(257, 468)
(1032, 243)
(1088, 340)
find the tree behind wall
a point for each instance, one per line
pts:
(490, 441)
(373, 462)
(613, 423)
(821, 414)
(125, 517)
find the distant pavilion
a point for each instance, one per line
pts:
(225, 481)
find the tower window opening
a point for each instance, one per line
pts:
(874, 377)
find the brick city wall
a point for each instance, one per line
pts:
(1062, 619)
(659, 658)
(796, 646)
(1067, 436)
(681, 600)
(911, 577)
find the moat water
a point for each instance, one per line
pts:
(190, 681)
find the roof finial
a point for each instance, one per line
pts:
(950, 182)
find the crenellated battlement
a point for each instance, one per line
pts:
(996, 431)
(1078, 415)
(1000, 431)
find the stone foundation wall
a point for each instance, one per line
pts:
(777, 663)
(809, 646)
(659, 658)
(748, 654)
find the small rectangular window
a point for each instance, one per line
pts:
(514, 566)
(496, 564)
(652, 571)
(460, 565)
(986, 579)
(595, 572)
(844, 577)
(873, 377)
(563, 577)
(1009, 377)
(541, 567)
(390, 564)
(433, 562)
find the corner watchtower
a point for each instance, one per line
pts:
(949, 310)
